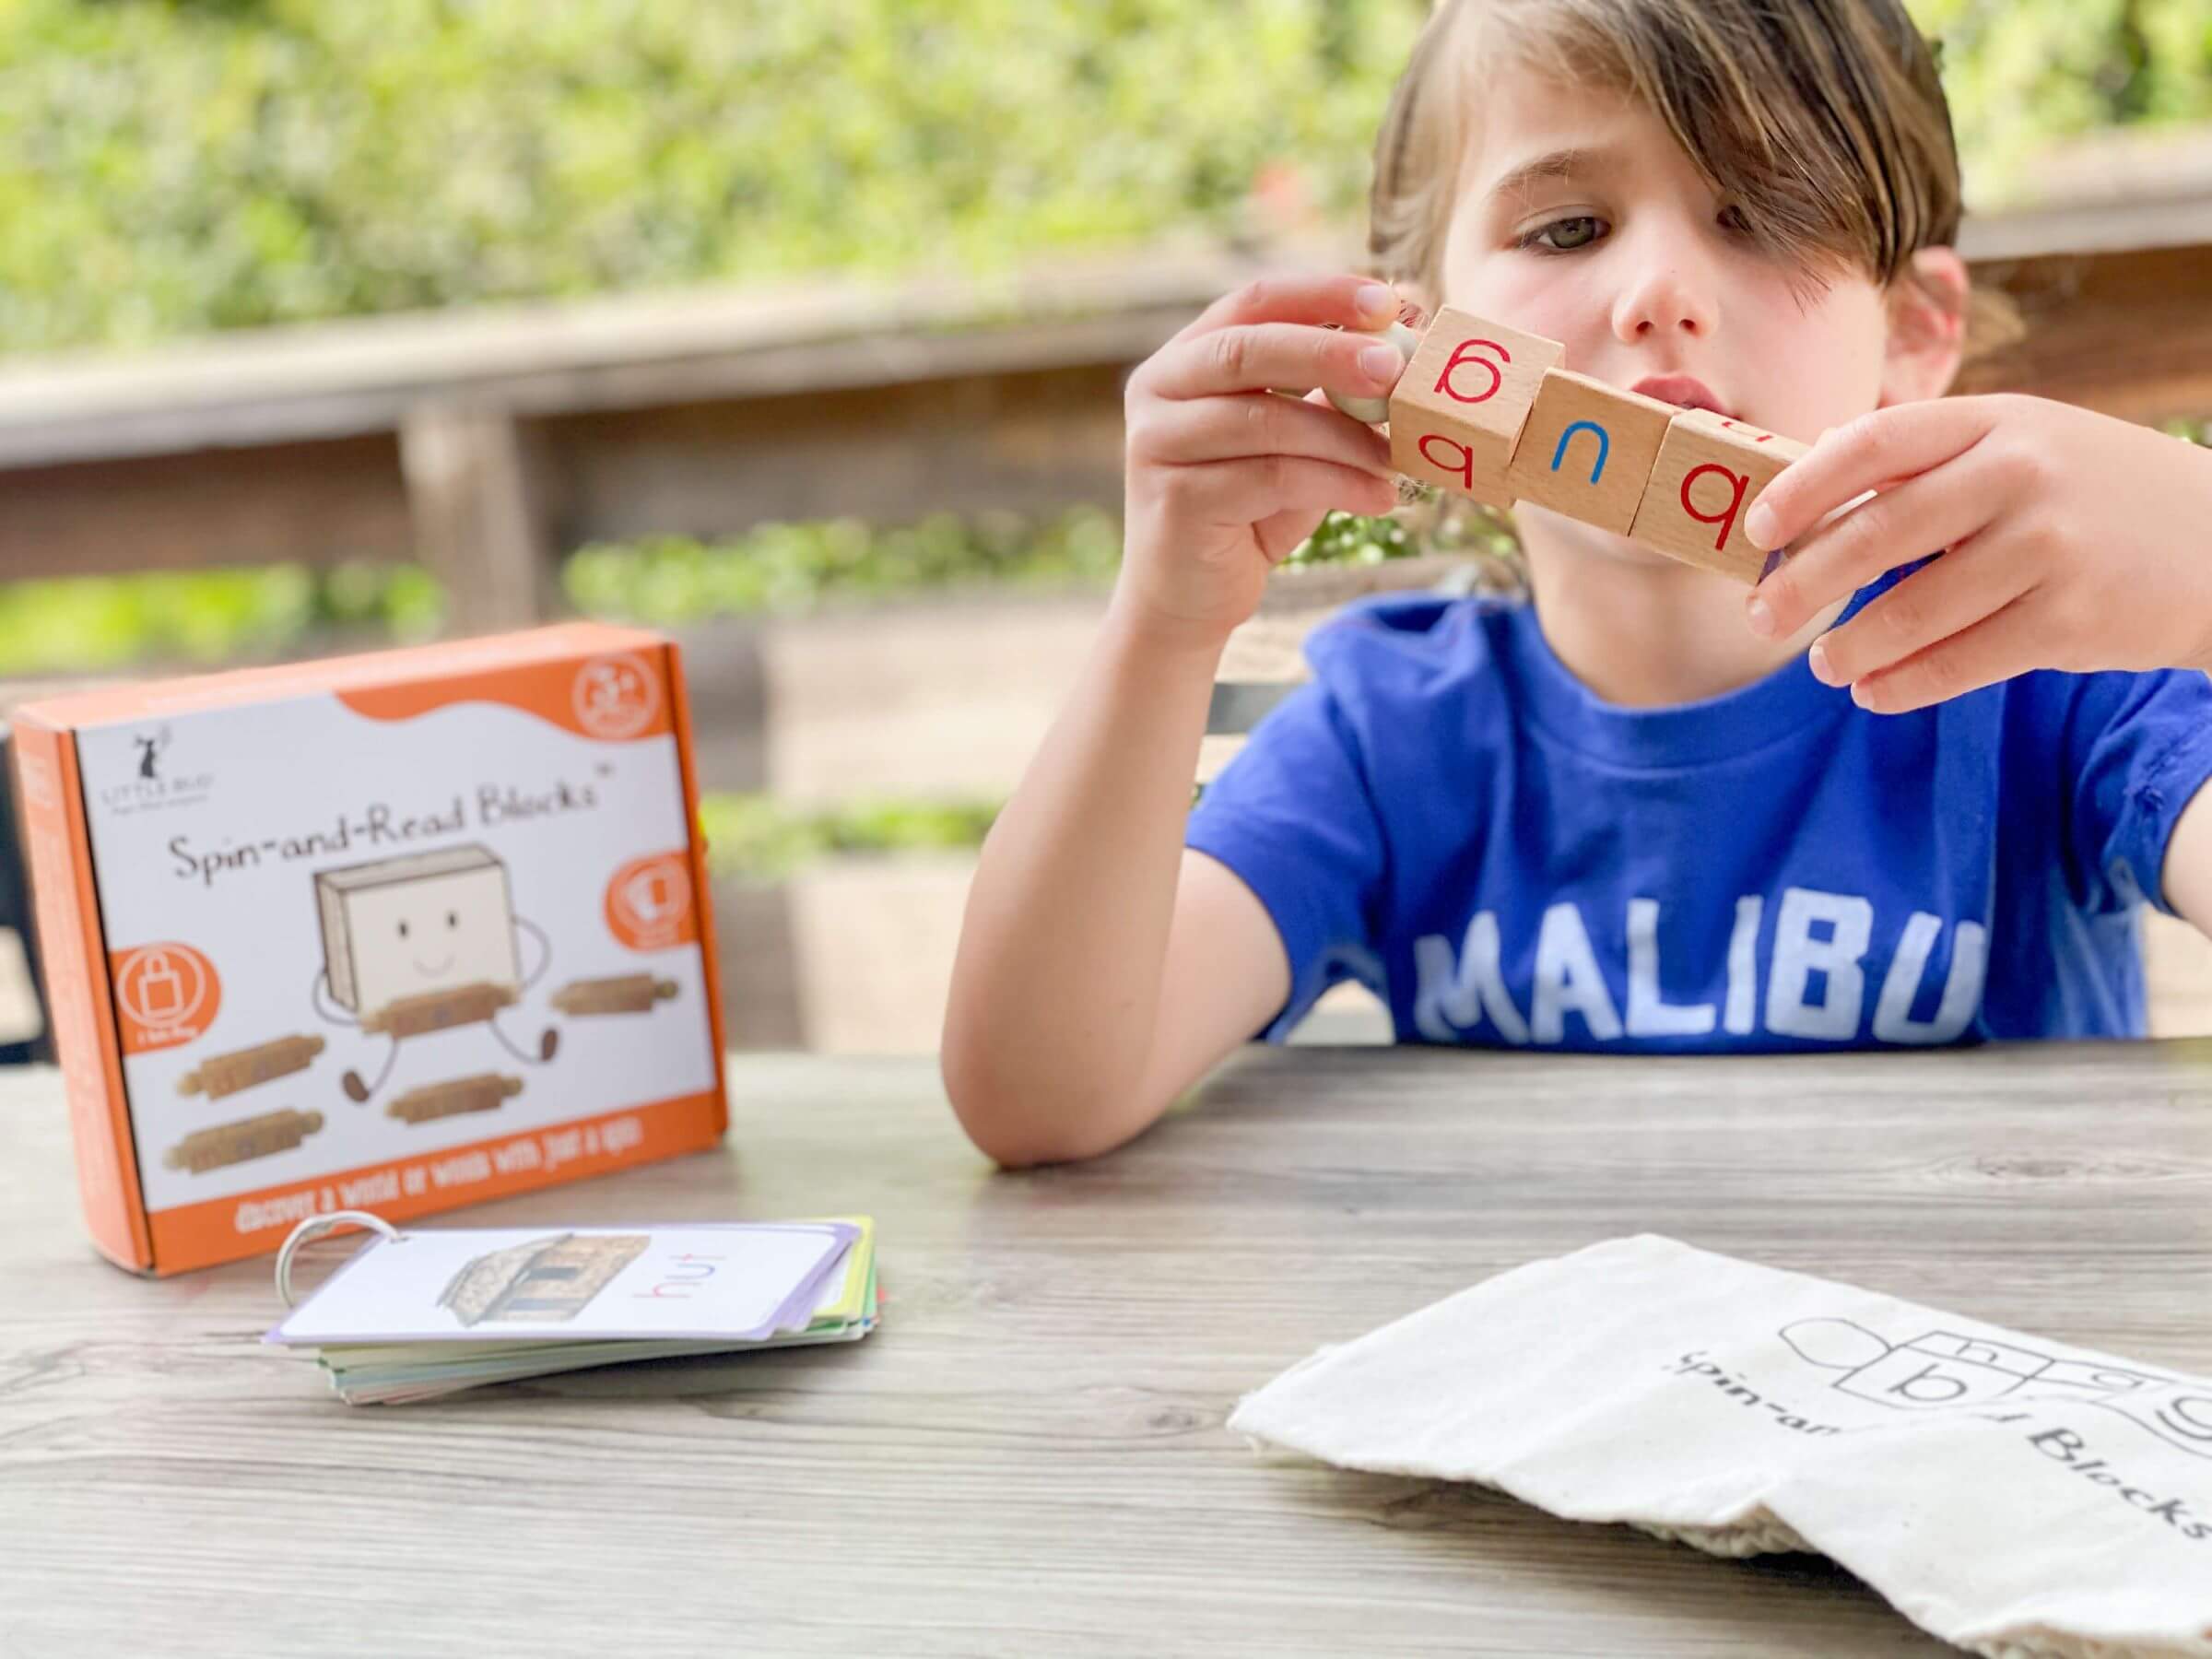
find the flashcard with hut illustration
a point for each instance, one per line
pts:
(544, 1279)
(738, 1280)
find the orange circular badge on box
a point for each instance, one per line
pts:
(165, 995)
(649, 902)
(616, 697)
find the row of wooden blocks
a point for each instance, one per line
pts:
(1486, 410)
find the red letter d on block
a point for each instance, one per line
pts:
(1727, 521)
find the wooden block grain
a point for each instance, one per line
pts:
(1459, 409)
(1588, 449)
(1709, 471)
(1486, 410)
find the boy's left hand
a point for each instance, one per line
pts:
(2071, 540)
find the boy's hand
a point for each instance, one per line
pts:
(2070, 540)
(1225, 477)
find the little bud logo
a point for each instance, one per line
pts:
(155, 778)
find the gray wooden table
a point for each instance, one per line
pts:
(1028, 1456)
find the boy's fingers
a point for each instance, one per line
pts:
(1257, 423)
(1993, 649)
(1897, 443)
(1360, 302)
(1921, 516)
(1946, 598)
(1254, 357)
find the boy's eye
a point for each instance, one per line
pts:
(1563, 236)
(1732, 218)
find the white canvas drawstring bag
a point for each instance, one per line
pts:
(2014, 1495)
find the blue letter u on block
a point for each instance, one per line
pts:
(1604, 446)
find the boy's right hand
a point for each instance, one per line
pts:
(1225, 477)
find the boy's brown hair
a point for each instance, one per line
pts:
(1823, 120)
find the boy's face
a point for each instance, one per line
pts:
(1581, 220)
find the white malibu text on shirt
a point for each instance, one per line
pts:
(1457, 992)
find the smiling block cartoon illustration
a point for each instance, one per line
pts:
(422, 943)
(414, 926)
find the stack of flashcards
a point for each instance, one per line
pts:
(416, 1314)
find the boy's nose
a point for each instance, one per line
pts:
(1664, 302)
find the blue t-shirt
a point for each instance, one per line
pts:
(1449, 815)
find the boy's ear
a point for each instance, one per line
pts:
(1928, 327)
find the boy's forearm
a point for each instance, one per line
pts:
(1057, 988)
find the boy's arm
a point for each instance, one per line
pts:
(1102, 968)
(2188, 873)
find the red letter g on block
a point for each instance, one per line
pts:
(1727, 521)
(1463, 465)
(1460, 360)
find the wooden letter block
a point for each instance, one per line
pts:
(1588, 449)
(1710, 471)
(1460, 406)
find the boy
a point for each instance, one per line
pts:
(1637, 813)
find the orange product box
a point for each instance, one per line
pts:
(396, 932)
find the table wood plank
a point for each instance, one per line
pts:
(1029, 1455)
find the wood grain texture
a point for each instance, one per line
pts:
(1458, 411)
(1709, 471)
(1029, 1457)
(1589, 449)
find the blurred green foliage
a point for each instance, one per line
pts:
(755, 836)
(785, 568)
(2019, 72)
(91, 624)
(169, 167)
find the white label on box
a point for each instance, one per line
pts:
(412, 893)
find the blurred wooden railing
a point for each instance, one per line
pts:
(485, 444)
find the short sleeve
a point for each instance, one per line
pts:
(2138, 746)
(1293, 816)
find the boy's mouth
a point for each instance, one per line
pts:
(1684, 390)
